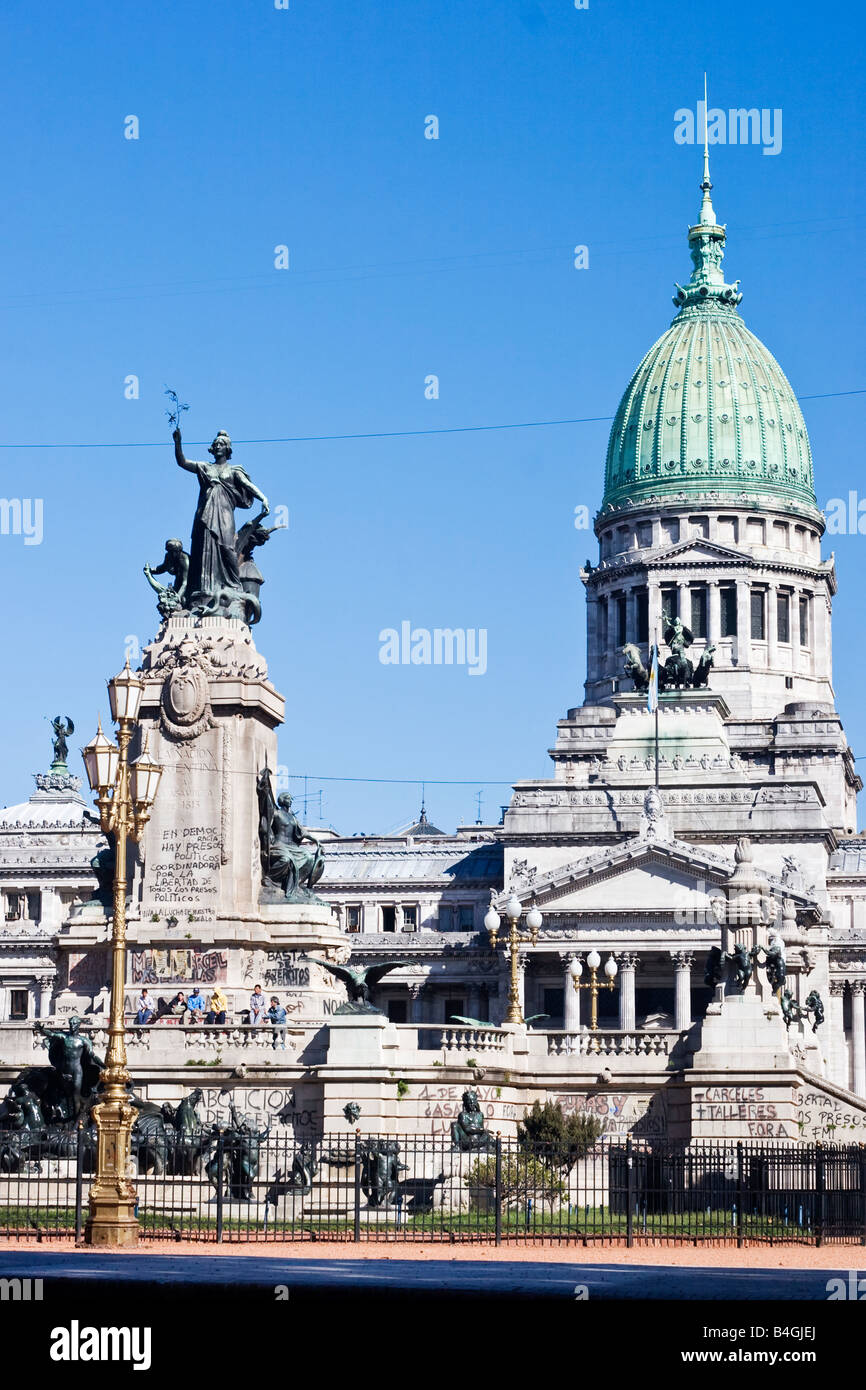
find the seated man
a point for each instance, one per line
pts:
(257, 1005)
(146, 1009)
(196, 1005)
(277, 1015)
(217, 1005)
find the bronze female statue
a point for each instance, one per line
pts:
(214, 583)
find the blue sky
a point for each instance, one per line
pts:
(408, 257)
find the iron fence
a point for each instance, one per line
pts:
(232, 1185)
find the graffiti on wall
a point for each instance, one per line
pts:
(820, 1116)
(153, 966)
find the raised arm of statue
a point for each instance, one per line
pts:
(179, 454)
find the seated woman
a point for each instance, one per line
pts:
(217, 1005)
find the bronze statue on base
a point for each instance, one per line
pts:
(289, 870)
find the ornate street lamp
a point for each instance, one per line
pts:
(575, 970)
(513, 942)
(125, 793)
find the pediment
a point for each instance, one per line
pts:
(651, 873)
(695, 550)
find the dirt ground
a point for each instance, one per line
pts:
(836, 1257)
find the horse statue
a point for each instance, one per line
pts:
(634, 667)
(701, 675)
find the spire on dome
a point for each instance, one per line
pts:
(707, 242)
(708, 216)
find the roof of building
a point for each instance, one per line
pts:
(849, 858)
(445, 863)
(56, 803)
(709, 412)
(422, 826)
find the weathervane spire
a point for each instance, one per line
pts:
(708, 216)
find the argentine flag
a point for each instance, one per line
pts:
(652, 690)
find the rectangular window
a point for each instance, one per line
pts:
(389, 919)
(353, 919)
(728, 610)
(759, 617)
(446, 921)
(34, 906)
(699, 612)
(670, 606)
(15, 904)
(783, 617)
(410, 918)
(396, 1010)
(454, 1006)
(642, 615)
(467, 918)
(17, 1003)
(804, 621)
(621, 638)
(602, 624)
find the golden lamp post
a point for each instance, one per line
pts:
(593, 960)
(125, 792)
(513, 942)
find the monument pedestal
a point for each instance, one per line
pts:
(743, 1078)
(197, 918)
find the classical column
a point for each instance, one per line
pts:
(474, 1009)
(592, 638)
(571, 996)
(631, 614)
(46, 987)
(858, 1036)
(744, 623)
(822, 646)
(838, 1054)
(684, 606)
(627, 967)
(772, 627)
(654, 610)
(714, 611)
(794, 622)
(683, 960)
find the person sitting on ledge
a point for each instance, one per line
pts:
(277, 1015)
(145, 1008)
(217, 1005)
(257, 1005)
(196, 1005)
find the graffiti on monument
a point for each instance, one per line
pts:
(185, 868)
(276, 1104)
(820, 1116)
(153, 966)
(619, 1113)
(286, 968)
(746, 1104)
(442, 1105)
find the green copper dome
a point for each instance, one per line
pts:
(709, 413)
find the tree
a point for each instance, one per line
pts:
(555, 1141)
(522, 1177)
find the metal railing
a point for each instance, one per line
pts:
(229, 1185)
